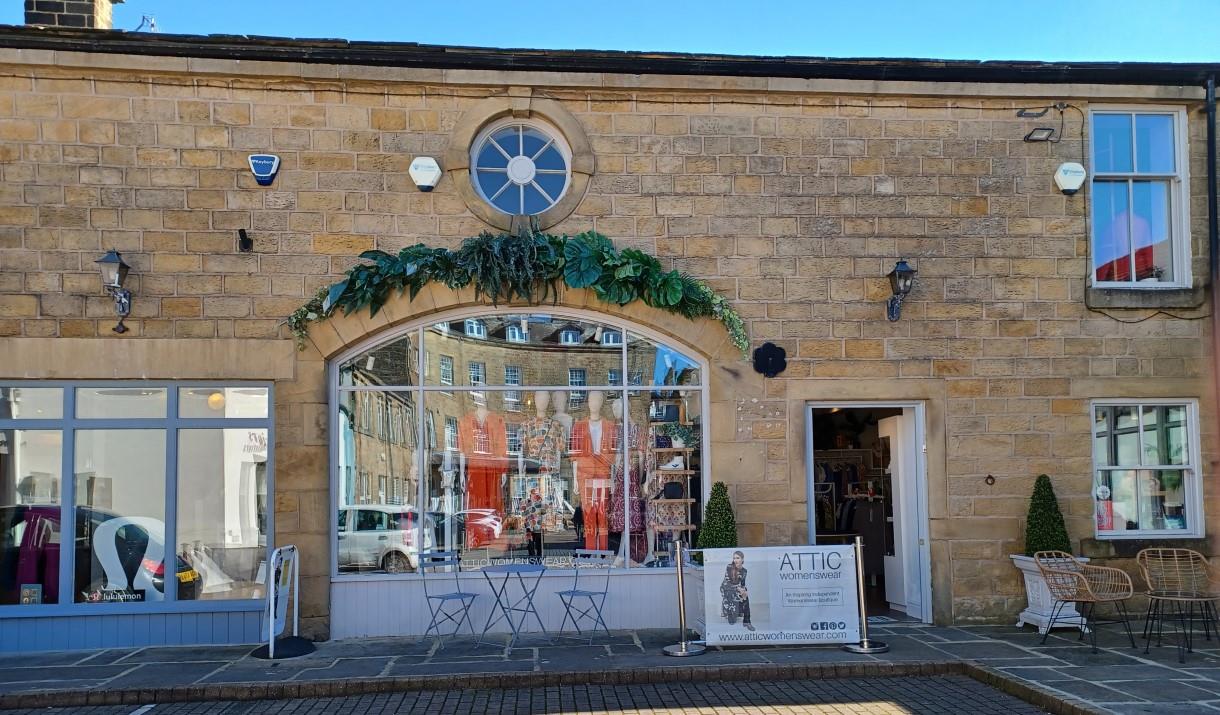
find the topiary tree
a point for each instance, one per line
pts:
(719, 530)
(1044, 526)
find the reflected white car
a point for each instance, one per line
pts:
(381, 537)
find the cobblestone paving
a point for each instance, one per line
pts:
(876, 696)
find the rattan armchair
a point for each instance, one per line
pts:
(1072, 581)
(1180, 582)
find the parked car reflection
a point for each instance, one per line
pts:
(381, 537)
(31, 542)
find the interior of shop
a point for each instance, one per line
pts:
(854, 491)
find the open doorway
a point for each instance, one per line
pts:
(867, 479)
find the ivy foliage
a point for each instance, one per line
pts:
(1045, 529)
(529, 266)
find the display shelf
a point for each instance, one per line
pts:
(675, 501)
(685, 450)
(679, 527)
(675, 471)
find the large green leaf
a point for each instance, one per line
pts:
(582, 263)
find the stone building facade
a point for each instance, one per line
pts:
(791, 195)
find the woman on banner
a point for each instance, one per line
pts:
(734, 596)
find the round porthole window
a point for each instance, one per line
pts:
(520, 167)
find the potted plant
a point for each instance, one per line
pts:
(679, 434)
(719, 530)
(1045, 530)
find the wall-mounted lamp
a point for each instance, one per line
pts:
(901, 280)
(1040, 134)
(114, 274)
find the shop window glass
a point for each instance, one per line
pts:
(546, 447)
(30, 482)
(215, 402)
(120, 402)
(394, 363)
(1146, 478)
(120, 518)
(31, 403)
(222, 512)
(375, 533)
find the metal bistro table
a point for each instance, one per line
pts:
(505, 606)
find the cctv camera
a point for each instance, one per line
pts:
(1070, 177)
(425, 172)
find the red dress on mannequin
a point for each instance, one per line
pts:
(485, 445)
(593, 462)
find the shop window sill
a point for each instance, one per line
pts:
(1159, 298)
(1096, 548)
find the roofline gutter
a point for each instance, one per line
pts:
(423, 56)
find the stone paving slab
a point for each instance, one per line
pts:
(1062, 674)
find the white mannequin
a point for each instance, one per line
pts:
(561, 411)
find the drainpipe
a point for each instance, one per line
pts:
(1213, 244)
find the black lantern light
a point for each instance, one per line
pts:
(901, 280)
(114, 275)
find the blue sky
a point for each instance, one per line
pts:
(1152, 30)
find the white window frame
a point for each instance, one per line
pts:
(513, 333)
(1191, 478)
(614, 377)
(1179, 196)
(617, 341)
(558, 140)
(476, 372)
(451, 432)
(512, 376)
(475, 329)
(446, 367)
(566, 333)
(577, 377)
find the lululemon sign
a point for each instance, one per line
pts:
(780, 596)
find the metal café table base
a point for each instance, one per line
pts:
(507, 606)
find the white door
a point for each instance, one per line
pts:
(906, 564)
(889, 431)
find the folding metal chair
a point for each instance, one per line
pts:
(594, 591)
(450, 606)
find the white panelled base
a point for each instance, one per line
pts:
(643, 598)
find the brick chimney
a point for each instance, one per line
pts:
(92, 14)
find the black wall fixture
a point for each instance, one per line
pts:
(244, 243)
(769, 360)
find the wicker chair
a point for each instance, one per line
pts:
(1071, 581)
(1180, 582)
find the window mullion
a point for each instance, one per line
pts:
(170, 555)
(67, 498)
(1131, 227)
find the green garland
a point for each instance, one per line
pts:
(528, 266)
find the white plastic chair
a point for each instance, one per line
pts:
(593, 591)
(450, 606)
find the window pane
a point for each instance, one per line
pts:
(1111, 228)
(1112, 142)
(1116, 495)
(1154, 145)
(1150, 231)
(543, 358)
(222, 511)
(492, 158)
(1169, 505)
(665, 460)
(659, 364)
(120, 517)
(120, 402)
(393, 363)
(212, 402)
(31, 403)
(1164, 435)
(378, 482)
(30, 478)
(1101, 436)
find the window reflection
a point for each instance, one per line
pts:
(1151, 498)
(30, 478)
(555, 434)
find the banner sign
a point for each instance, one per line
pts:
(780, 595)
(264, 167)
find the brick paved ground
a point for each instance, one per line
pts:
(877, 696)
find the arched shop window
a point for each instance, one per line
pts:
(530, 467)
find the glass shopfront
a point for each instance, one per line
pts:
(133, 493)
(516, 437)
